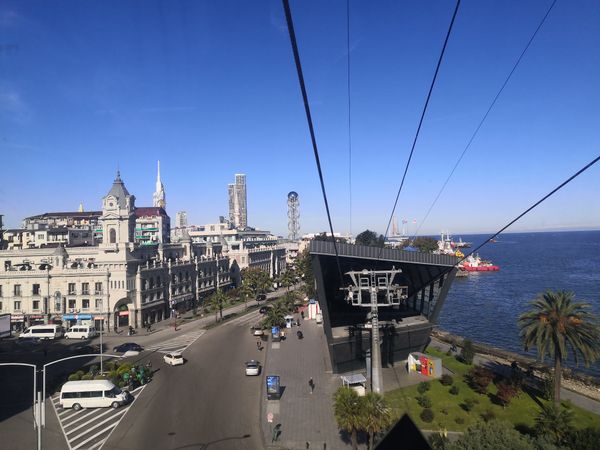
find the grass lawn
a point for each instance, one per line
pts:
(449, 414)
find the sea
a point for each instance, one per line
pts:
(484, 307)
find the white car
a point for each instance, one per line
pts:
(257, 331)
(173, 359)
(252, 368)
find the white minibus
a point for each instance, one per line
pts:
(80, 332)
(92, 394)
(42, 332)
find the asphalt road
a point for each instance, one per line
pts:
(208, 403)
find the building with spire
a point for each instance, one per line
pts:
(159, 199)
(49, 274)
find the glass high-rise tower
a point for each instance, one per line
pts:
(238, 214)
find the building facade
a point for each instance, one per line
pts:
(118, 282)
(238, 212)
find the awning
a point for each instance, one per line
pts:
(77, 316)
(123, 313)
(356, 378)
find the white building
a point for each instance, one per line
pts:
(118, 282)
(181, 219)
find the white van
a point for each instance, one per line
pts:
(81, 332)
(42, 332)
(92, 394)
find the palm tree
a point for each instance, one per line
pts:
(376, 415)
(245, 291)
(288, 279)
(554, 422)
(217, 300)
(347, 408)
(554, 324)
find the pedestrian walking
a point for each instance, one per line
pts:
(311, 385)
(258, 344)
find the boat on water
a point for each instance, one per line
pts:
(476, 264)
(461, 244)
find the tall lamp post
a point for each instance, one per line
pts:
(374, 289)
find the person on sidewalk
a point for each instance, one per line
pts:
(311, 385)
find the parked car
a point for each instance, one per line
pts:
(127, 347)
(173, 359)
(252, 368)
(257, 330)
(261, 297)
(264, 309)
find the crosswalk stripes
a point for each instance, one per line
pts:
(246, 320)
(176, 344)
(90, 428)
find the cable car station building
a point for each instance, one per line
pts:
(421, 284)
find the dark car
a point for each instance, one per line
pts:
(126, 347)
(261, 297)
(87, 349)
(264, 309)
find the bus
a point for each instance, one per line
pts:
(92, 394)
(42, 332)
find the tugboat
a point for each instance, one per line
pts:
(476, 264)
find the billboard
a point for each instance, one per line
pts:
(273, 387)
(4, 325)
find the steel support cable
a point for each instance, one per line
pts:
(290, 25)
(349, 111)
(437, 69)
(545, 197)
(485, 117)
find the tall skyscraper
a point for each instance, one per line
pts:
(238, 215)
(159, 199)
(181, 219)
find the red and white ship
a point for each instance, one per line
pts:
(476, 264)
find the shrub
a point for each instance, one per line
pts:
(74, 377)
(427, 415)
(506, 392)
(488, 415)
(467, 353)
(479, 379)
(459, 420)
(446, 379)
(100, 377)
(454, 390)
(444, 411)
(87, 376)
(80, 373)
(423, 387)
(124, 368)
(424, 401)
(94, 370)
(468, 404)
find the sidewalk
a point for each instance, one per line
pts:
(304, 417)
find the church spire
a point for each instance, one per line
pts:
(159, 198)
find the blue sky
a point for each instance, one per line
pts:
(210, 89)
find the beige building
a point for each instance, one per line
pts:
(119, 282)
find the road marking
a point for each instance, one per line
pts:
(252, 317)
(178, 343)
(90, 420)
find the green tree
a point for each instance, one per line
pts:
(324, 236)
(555, 422)
(217, 301)
(304, 269)
(376, 415)
(586, 439)
(244, 292)
(555, 323)
(370, 238)
(425, 244)
(347, 410)
(492, 435)
(467, 352)
(275, 316)
(288, 278)
(257, 280)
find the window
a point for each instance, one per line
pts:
(113, 236)
(0, 290)
(85, 303)
(7, 265)
(71, 288)
(17, 305)
(72, 303)
(85, 288)
(36, 305)
(98, 288)
(1, 308)
(17, 290)
(36, 289)
(99, 304)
